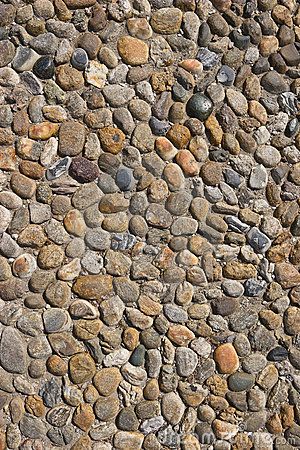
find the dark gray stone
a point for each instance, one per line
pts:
(199, 106)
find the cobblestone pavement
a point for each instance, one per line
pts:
(149, 224)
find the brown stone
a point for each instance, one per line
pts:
(84, 442)
(187, 162)
(162, 81)
(113, 203)
(81, 368)
(22, 186)
(32, 169)
(57, 366)
(43, 131)
(226, 358)
(7, 137)
(287, 415)
(214, 129)
(7, 158)
(107, 380)
(83, 416)
(50, 256)
(71, 138)
(77, 4)
(287, 275)
(180, 335)
(62, 12)
(179, 135)
(211, 173)
(68, 78)
(93, 287)
(130, 338)
(112, 139)
(32, 236)
(20, 123)
(34, 405)
(274, 424)
(133, 51)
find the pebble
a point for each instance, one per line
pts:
(44, 68)
(79, 59)
(199, 106)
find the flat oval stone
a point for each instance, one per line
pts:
(199, 106)
(241, 381)
(124, 179)
(79, 59)
(277, 354)
(12, 351)
(44, 68)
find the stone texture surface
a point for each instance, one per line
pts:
(149, 224)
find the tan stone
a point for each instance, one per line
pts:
(179, 135)
(257, 111)
(166, 20)
(224, 430)
(34, 405)
(149, 306)
(82, 368)
(83, 416)
(68, 78)
(282, 15)
(106, 408)
(32, 236)
(287, 275)
(162, 81)
(192, 65)
(268, 377)
(268, 45)
(107, 380)
(239, 271)
(113, 203)
(180, 335)
(93, 287)
(131, 338)
(43, 131)
(287, 415)
(112, 139)
(74, 223)
(292, 320)
(84, 442)
(133, 51)
(226, 358)
(274, 424)
(50, 256)
(214, 129)
(86, 329)
(187, 162)
(165, 148)
(139, 28)
(174, 177)
(56, 365)
(7, 158)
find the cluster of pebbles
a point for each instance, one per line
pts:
(150, 224)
